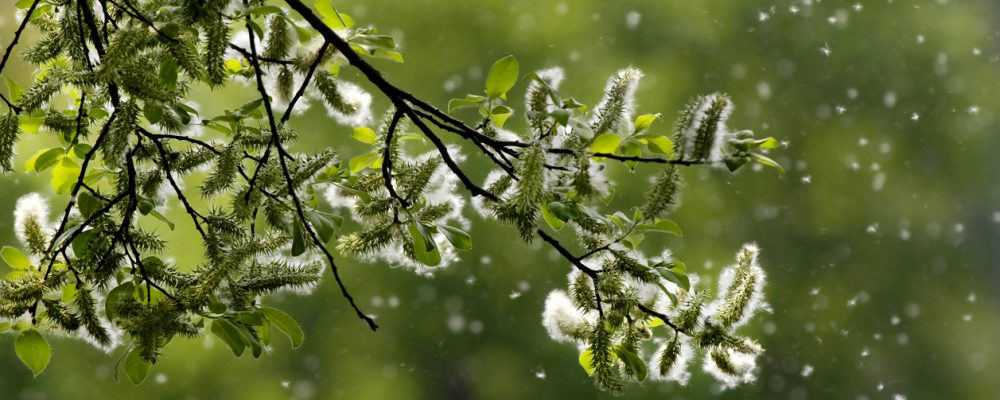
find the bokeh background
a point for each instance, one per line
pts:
(881, 241)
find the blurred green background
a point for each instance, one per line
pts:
(881, 240)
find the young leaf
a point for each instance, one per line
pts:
(632, 361)
(285, 324)
(550, 218)
(64, 175)
(15, 258)
(33, 350)
(605, 143)
(676, 273)
(457, 237)
(162, 218)
(644, 121)
(734, 163)
(323, 225)
(662, 145)
(664, 225)
(136, 367)
(88, 204)
(298, 239)
(44, 159)
(760, 158)
(423, 245)
(587, 361)
(230, 334)
(115, 297)
(500, 114)
(364, 135)
(359, 163)
(468, 101)
(502, 77)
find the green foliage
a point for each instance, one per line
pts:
(33, 350)
(126, 161)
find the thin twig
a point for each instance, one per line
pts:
(282, 154)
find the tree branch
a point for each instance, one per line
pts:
(276, 142)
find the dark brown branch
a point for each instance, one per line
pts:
(76, 190)
(657, 314)
(473, 189)
(10, 48)
(282, 154)
(400, 99)
(284, 117)
(387, 160)
(165, 157)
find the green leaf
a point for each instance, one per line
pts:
(561, 211)
(136, 367)
(500, 114)
(168, 72)
(561, 116)
(4, 327)
(323, 225)
(153, 113)
(13, 88)
(670, 294)
(80, 150)
(644, 121)
(330, 16)
(33, 350)
(457, 237)
(44, 159)
(88, 204)
(303, 34)
(64, 175)
(662, 145)
(145, 206)
(256, 28)
(265, 10)
(181, 110)
(15, 258)
(162, 218)
(230, 335)
(250, 106)
(587, 361)
(663, 225)
(285, 324)
(98, 113)
(605, 143)
(364, 134)
(633, 240)
(232, 66)
(675, 272)
(760, 158)
(767, 143)
(298, 240)
(734, 163)
(468, 101)
(502, 77)
(115, 298)
(391, 55)
(69, 293)
(550, 218)
(81, 243)
(632, 361)
(423, 245)
(361, 162)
